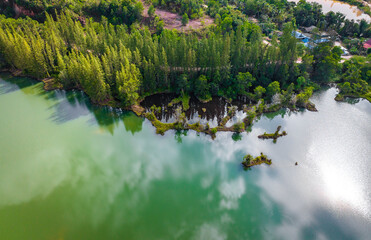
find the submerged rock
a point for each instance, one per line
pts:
(311, 107)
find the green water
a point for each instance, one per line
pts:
(71, 170)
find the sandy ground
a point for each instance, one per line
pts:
(344, 58)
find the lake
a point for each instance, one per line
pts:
(350, 12)
(72, 170)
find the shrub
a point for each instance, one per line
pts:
(239, 127)
(214, 131)
(185, 19)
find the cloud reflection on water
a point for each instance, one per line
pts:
(198, 189)
(326, 195)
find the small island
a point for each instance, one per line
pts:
(249, 161)
(273, 136)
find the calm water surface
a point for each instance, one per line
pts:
(350, 12)
(70, 170)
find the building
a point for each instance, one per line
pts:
(303, 38)
(345, 51)
(298, 35)
(367, 44)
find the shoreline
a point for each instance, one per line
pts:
(340, 97)
(252, 111)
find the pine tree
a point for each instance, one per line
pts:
(128, 83)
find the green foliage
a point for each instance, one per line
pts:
(181, 85)
(272, 89)
(185, 102)
(249, 161)
(301, 82)
(261, 107)
(151, 11)
(161, 127)
(185, 19)
(259, 91)
(160, 26)
(155, 109)
(192, 8)
(202, 87)
(274, 135)
(346, 88)
(303, 97)
(244, 82)
(116, 11)
(214, 131)
(239, 127)
(128, 83)
(356, 77)
(111, 62)
(196, 127)
(250, 116)
(184, 98)
(236, 136)
(326, 62)
(86, 71)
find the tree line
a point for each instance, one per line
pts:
(114, 62)
(116, 11)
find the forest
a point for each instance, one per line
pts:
(103, 50)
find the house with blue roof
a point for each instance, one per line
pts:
(301, 36)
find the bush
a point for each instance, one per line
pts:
(214, 131)
(353, 51)
(239, 127)
(160, 26)
(259, 91)
(185, 19)
(151, 11)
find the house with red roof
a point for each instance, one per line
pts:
(367, 44)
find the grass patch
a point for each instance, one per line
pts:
(184, 98)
